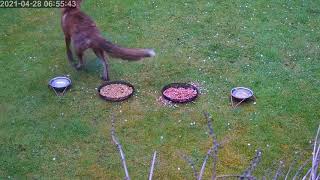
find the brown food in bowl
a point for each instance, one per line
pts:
(116, 91)
(180, 94)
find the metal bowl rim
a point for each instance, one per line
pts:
(60, 77)
(240, 87)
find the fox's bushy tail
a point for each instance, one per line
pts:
(125, 53)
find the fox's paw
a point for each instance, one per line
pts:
(105, 78)
(78, 66)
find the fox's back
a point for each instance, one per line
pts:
(76, 23)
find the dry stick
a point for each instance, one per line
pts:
(254, 163)
(278, 172)
(191, 163)
(315, 158)
(152, 164)
(215, 145)
(316, 164)
(301, 168)
(290, 168)
(267, 173)
(204, 164)
(234, 176)
(123, 158)
(305, 176)
(215, 160)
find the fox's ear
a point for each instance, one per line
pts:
(71, 4)
(79, 2)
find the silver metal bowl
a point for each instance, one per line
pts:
(241, 93)
(60, 83)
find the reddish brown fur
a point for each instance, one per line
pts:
(84, 34)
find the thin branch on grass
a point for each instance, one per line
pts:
(316, 156)
(254, 163)
(301, 168)
(305, 176)
(235, 176)
(290, 168)
(215, 145)
(215, 160)
(191, 163)
(267, 172)
(152, 164)
(278, 172)
(204, 164)
(116, 141)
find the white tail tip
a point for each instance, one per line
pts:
(151, 52)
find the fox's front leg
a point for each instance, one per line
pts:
(69, 53)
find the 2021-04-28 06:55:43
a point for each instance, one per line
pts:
(37, 3)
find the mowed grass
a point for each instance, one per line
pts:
(272, 47)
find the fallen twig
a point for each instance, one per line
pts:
(204, 163)
(235, 176)
(301, 168)
(316, 157)
(214, 151)
(152, 164)
(305, 176)
(191, 163)
(278, 172)
(290, 168)
(116, 141)
(254, 163)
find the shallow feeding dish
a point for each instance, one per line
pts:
(116, 91)
(60, 84)
(180, 92)
(241, 93)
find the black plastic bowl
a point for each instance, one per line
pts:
(60, 83)
(180, 85)
(116, 99)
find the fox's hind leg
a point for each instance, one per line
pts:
(103, 59)
(81, 63)
(79, 50)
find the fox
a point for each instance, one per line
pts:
(80, 30)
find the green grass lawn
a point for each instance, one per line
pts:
(271, 46)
